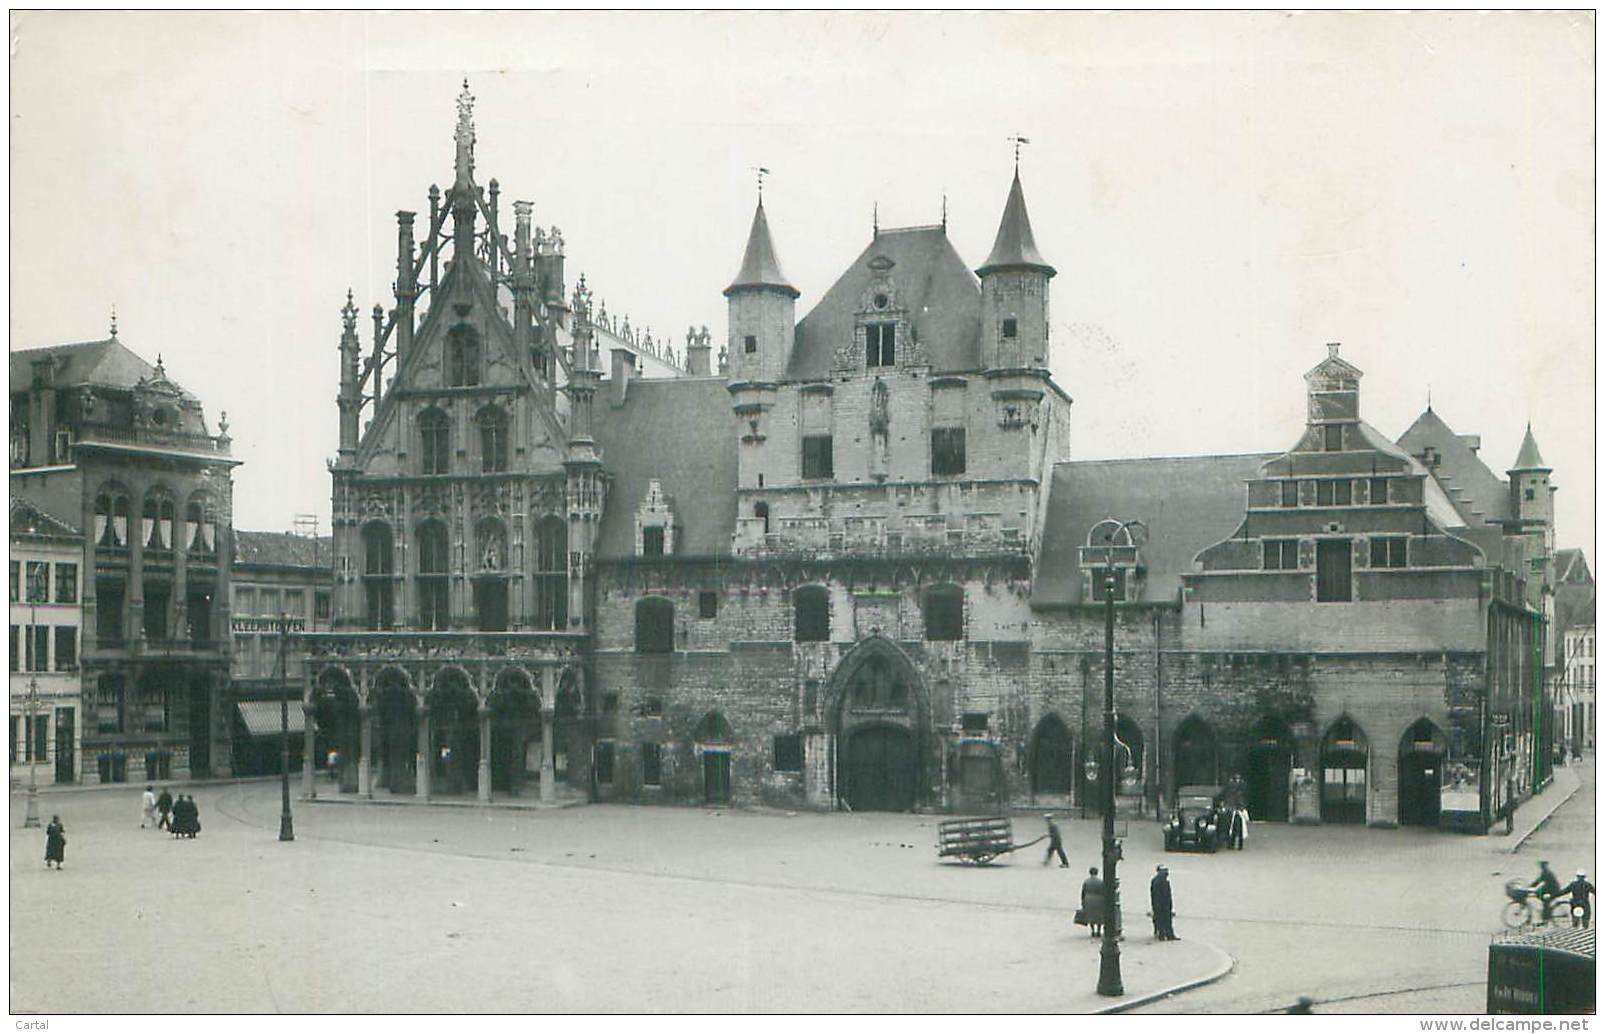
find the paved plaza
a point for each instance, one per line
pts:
(614, 908)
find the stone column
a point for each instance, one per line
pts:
(309, 783)
(424, 742)
(548, 716)
(364, 758)
(484, 754)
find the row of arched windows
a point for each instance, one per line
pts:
(943, 607)
(434, 440)
(156, 528)
(433, 550)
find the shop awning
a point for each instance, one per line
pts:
(261, 717)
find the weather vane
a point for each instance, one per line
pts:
(1017, 140)
(762, 172)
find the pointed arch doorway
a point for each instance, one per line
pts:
(1421, 751)
(879, 715)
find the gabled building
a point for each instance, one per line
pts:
(46, 623)
(116, 448)
(1573, 672)
(853, 564)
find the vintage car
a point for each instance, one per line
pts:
(1196, 822)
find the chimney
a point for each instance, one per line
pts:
(623, 367)
(698, 350)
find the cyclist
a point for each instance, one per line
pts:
(1548, 887)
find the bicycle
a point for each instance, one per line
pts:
(1519, 911)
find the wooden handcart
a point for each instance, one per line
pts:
(976, 840)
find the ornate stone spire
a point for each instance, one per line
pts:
(465, 137)
(1015, 247)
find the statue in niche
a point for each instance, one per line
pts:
(880, 409)
(491, 559)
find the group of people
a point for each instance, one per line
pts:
(1159, 897)
(180, 816)
(1550, 892)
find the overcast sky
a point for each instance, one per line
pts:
(1221, 194)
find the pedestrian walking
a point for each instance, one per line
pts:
(334, 766)
(55, 842)
(1510, 806)
(147, 808)
(1164, 908)
(1092, 901)
(1239, 833)
(1055, 844)
(1580, 889)
(164, 804)
(194, 817)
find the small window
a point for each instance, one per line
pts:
(750, 343)
(707, 605)
(66, 648)
(944, 614)
(1389, 551)
(1334, 572)
(1530, 495)
(321, 605)
(434, 432)
(66, 583)
(1379, 491)
(654, 626)
(1011, 327)
(38, 581)
(604, 763)
(761, 510)
(947, 451)
(652, 707)
(975, 721)
(810, 614)
(16, 581)
(38, 648)
(1343, 493)
(463, 347)
(16, 654)
(652, 541)
(1289, 493)
(1324, 493)
(880, 347)
(818, 459)
(1281, 554)
(788, 753)
(651, 764)
(1334, 437)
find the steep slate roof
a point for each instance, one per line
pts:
(28, 519)
(1528, 458)
(1188, 503)
(759, 266)
(1574, 607)
(1479, 495)
(282, 549)
(1572, 566)
(667, 429)
(1015, 247)
(941, 294)
(107, 362)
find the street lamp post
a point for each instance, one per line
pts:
(30, 817)
(1109, 982)
(286, 822)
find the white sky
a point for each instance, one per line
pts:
(1221, 194)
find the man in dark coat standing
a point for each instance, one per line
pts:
(1164, 909)
(1055, 844)
(164, 804)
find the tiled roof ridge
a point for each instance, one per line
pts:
(1163, 459)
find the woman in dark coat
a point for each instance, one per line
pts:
(1092, 901)
(55, 842)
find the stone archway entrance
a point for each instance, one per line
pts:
(879, 716)
(1270, 770)
(454, 735)
(1345, 757)
(1421, 751)
(515, 733)
(1197, 755)
(339, 727)
(397, 749)
(1053, 762)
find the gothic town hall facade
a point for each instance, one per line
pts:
(849, 563)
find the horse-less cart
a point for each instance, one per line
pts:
(977, 841)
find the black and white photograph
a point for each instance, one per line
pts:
(1002, 514)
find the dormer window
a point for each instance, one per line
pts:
(1334, 437)
(880, 344)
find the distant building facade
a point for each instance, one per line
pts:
(46, 632)
(115, 448)
(1575, 664)
(852, 564)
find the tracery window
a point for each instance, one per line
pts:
(434, 431)
(551, 574)
(433, 605)
(462, 347)
(492, 422)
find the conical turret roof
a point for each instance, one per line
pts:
(1015, 247)
(759, 267)
(1528, 458)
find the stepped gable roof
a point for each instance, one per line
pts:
(28, 519)
(1015, 246)
(282, 549)
(664, 431)
(1479, 495)
(108, 362)
(935, 287)
(1528, 458)
(1571, 566)
(1188, 504)
(759, 266)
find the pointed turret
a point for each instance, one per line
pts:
(759, 267)
(465, 139)
(1529, 458)
(1015, 247)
